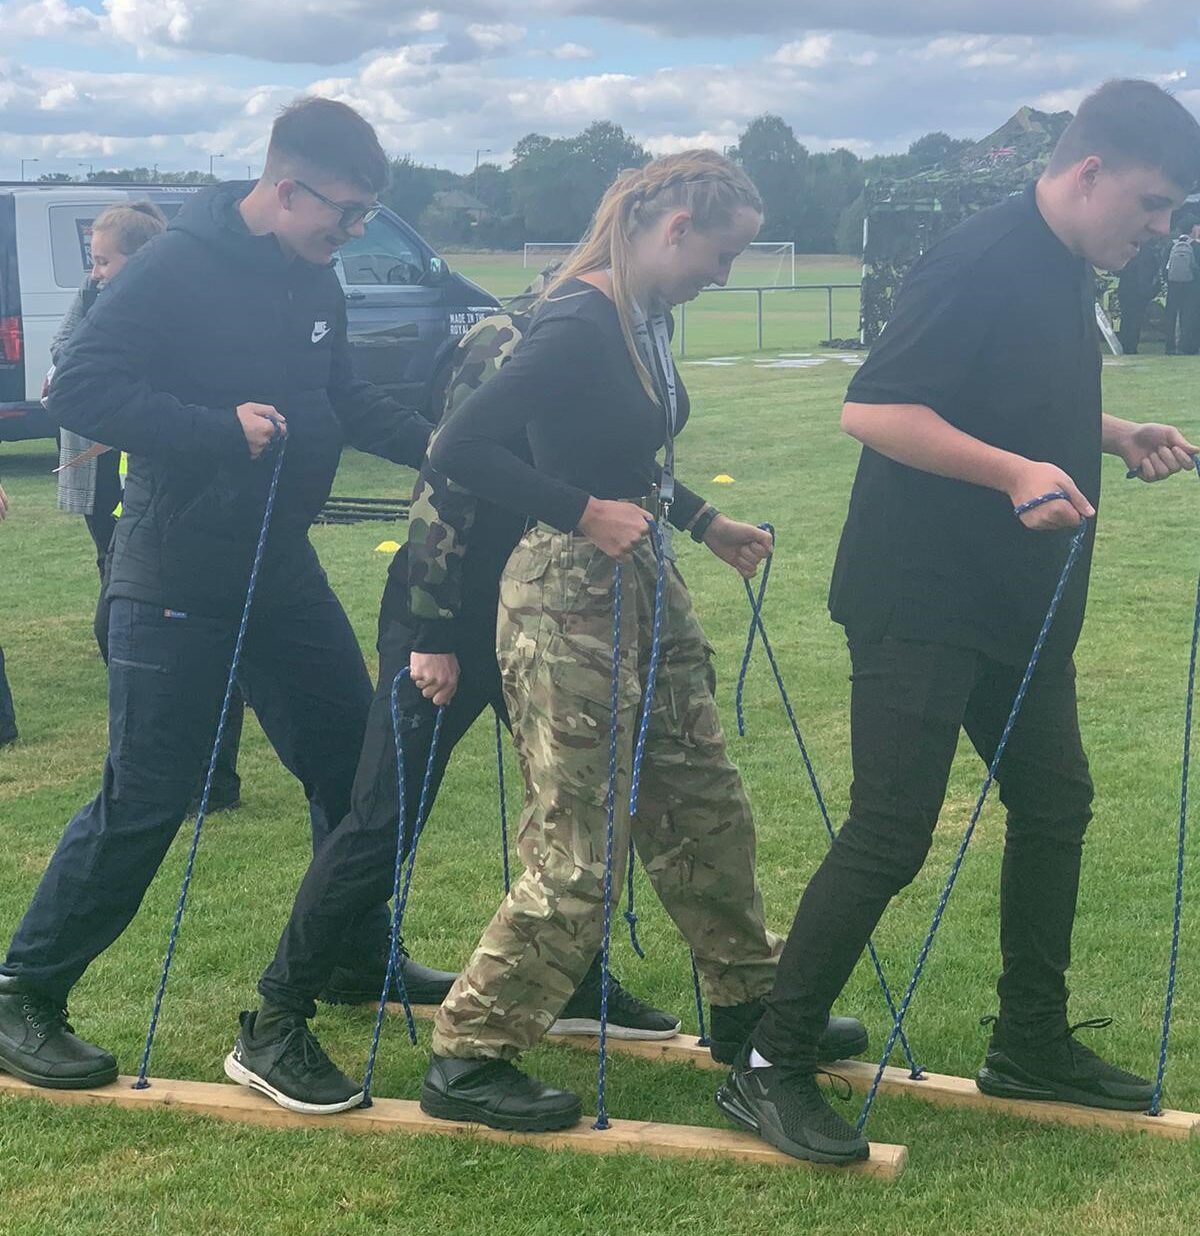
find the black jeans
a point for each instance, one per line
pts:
(305, 678)
(908, 702)
(227, 785)
(353, 871)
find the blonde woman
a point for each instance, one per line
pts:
(91, 487)
(594, 387)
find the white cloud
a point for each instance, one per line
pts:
(452, 79)
(572, 51)
(806, 53)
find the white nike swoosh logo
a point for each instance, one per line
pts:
(317, 336)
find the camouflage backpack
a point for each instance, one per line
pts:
(441, 513)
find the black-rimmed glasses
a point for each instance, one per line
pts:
(349, 216)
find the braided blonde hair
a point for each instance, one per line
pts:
(131, 224)
(708, 185)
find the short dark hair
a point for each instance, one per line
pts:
(1130, 122)
(322, 135)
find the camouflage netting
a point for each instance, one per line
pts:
(904, 217)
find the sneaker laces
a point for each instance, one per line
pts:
(837, 1084)
(620, 997)
(302, 1046)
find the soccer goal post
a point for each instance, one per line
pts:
(767, 263)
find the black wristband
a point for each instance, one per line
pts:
(702, 524)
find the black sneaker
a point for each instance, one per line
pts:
(8, 734)
(497, 1094)
(629, 1017)
(785, 1107)
(1060, 1069)
(731, 1025)
(422, 984)
(291, 1067)
(38, 1045)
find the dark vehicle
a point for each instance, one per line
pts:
(405, 307)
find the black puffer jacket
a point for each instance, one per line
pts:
(205, 318)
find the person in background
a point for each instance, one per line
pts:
(88, 482)
(1136, 288)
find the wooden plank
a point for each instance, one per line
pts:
(939, 1088)
(237, 1103)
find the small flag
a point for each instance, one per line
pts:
(387, 547)
(722, 478)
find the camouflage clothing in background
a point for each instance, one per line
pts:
(694, 831)
(442, 513)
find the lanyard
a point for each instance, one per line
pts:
(664, 377)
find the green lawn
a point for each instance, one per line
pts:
(717, 323)
(66, 1170)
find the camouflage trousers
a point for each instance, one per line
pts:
(694, 831)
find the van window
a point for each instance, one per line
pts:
(384, 255)
(71, 241)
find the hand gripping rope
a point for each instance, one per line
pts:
(399, 893)
(1072, 555)
(756, 626)
(280, 445)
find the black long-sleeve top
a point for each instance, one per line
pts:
(593, 431)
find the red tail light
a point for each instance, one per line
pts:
(10, 339)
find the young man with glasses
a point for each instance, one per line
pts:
(224, 335)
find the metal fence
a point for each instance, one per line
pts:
(759, 293)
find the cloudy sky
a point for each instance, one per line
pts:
(125, 82)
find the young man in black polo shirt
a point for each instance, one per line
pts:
(983, 392)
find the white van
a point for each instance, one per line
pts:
(45, 252)
(405, 308)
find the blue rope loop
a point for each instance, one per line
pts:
(503, 803)
(1072, 554)
(400, 894)
(756, 603)
(143, 1069)
(1177, 914)
(639, 750)
(610, 805)
(916, 1071)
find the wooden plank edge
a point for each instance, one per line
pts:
(937, 1088)
(237, 1103)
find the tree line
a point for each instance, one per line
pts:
(552, 185)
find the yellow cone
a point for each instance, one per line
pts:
(722, 478)
(387, 547)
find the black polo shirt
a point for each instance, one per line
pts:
(995, 330)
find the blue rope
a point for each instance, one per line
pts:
(143, 1069)
(639, 750)
(756, 603)
(503, 803)
(916, 1071)
(610, 804)
(1169, 1001)
(703, 1039)
(1072, 555)
(400, 895)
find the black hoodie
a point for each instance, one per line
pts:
(204, 318)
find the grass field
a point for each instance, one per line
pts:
(725, 322)
(775, 431)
